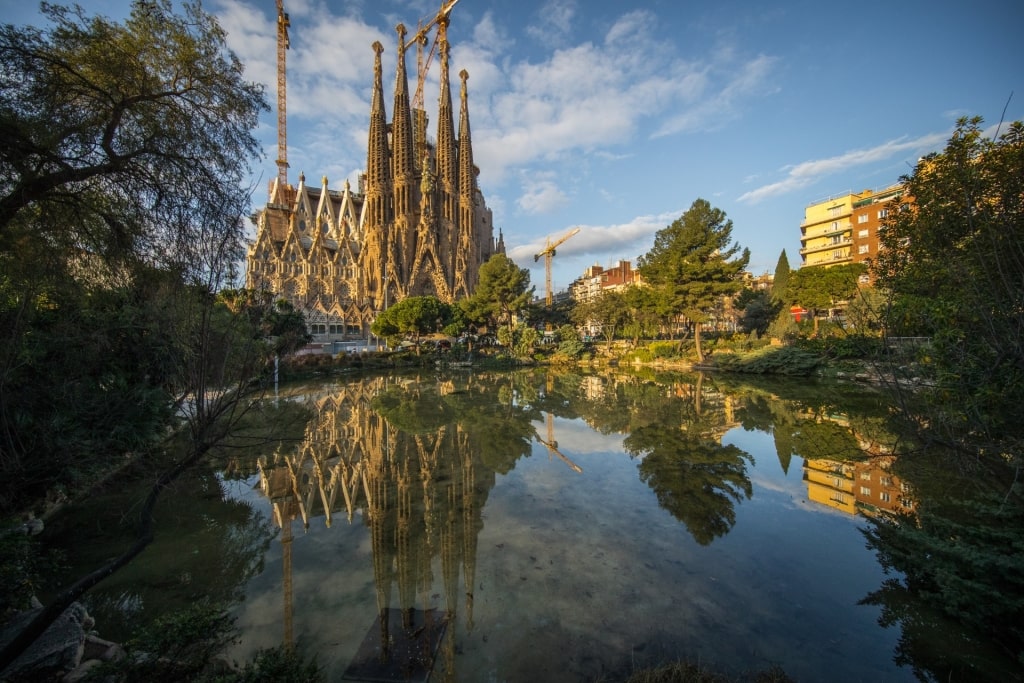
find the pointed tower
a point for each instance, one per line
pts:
(376, 258)
(403, 153)
(447, 170)
(467, 252)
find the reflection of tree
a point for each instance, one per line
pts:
(206, 551)
(694, 476)
(957, 575)
(695, 479)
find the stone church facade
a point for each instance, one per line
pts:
(416, 225)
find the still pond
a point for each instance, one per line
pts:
(536, 526)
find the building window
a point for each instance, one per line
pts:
(884, 496)
(863, 249)
(834, 211)
(865, 491)
(318, 328)
(862, 233)
(863, 218)
(866, 476)
(882, 213)
(838, 254)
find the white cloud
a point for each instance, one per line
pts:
(554, 21)
(809, 172)
(541, 195)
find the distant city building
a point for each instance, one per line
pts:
(416, 225)
(597, 279)
(844, 228)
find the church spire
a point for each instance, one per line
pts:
(446, 152)
(401, 136)
(377, 171)
(467, 258)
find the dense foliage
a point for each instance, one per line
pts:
(124, 151)
(953, 260)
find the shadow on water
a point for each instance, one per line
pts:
(561, 526)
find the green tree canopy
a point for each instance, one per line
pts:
(413, 316)
(124, 138)
(504, 289)
(696, 263)
(953, 260)
(820, 288)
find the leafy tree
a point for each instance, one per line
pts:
(953, 260)
(274, 320)
(821, 288)
(504, 289)
(758, 310)
(124, 151)
(607, 310)
(413, 316)
(642, 312)
(116, 135)
(695, 263)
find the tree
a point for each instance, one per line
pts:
(952, 258)
(114, 135)
(607, 311)
(642, 314)
(758, 310)
(413, 316)
(123, 154)
(780, 281)
(822, 288)
(503, 290)
(694, 262)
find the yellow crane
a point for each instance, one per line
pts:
(548, 253)
(440, 20)
(552, 446)
(283, 43)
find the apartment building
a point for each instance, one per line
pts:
(844, 228)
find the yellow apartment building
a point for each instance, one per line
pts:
(844, 228)
(826, 235)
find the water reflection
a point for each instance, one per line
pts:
(416, 461)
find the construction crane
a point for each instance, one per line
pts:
(552, 446)
(440, 20)
(548, 253)
(283, 44)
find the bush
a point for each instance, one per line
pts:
(664, 349)
(774, 361)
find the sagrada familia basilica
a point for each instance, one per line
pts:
(416, 225)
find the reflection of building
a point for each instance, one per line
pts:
(421, 495)
(417, 225)
(867, 486)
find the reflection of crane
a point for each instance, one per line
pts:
(548, 253)
(420, 38)
(283, 44)
(552, 446)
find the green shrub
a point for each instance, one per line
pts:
(664, 349)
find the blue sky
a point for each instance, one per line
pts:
(616, 116)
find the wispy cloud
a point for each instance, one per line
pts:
(553, 23)
(613, 242)
(809, 172)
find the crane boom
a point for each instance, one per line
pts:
(440, 20)
(548, 252)
(283, 43)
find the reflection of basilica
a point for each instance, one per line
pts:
(866, 487)
(421, 495)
